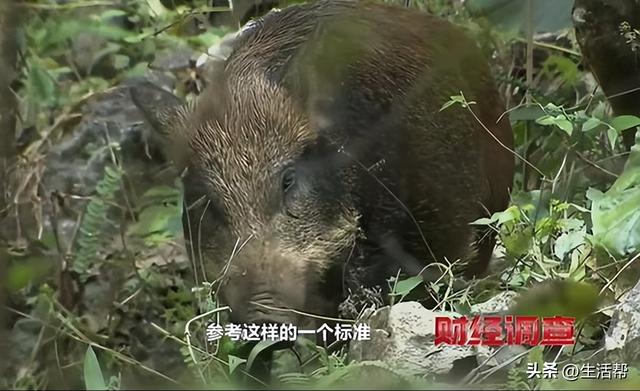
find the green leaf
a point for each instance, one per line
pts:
(518, 242)
(482, 221)
(560, 121)
(567, 242)
(536, 354)
(510, 214)
(447, 104)
(624, 122)
(563, 65)
(156, 8)
(40, 85)
(135, 38)
(155, 218)
(112, 13)
(462, 308)
(120, 61)
(404, 287)
(205, 40)
(161, 191)
(615, 214)
(551, 107)
(93, 378)
(526, 113)
(453, 100)
(234, 362)
(32, 270)
(260, 346)
(590, 124)
(565, 124)
(546, 120)
(594, 194)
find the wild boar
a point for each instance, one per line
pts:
(318, 160)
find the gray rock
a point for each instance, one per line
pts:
(498, 303)
(488, 356)
(75, 165)
(622, 336)
(403, 337)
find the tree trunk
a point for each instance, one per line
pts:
(605, 32)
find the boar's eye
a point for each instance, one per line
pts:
(288, 179)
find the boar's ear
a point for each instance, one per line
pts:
(162, 110)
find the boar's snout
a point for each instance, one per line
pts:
(249, 305)
(263, 288)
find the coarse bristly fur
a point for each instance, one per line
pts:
(318, 161)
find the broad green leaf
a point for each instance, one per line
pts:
(40, 84)
(135, 38)
(594, 194)
(616, 213)
(567, 242)
(524, 113)
(453, 100)
(155, 218)
(536, 354)
(162, 191)
(510, 214)
(572, 224)
(624, 122)
(71, 29)
(482, 221)
(447, 104)
(260, 346)
(518, 242)
(567, 69)
(205, 40)
(560, 121)
(156, 8)
(487, 220)
(552, 107)
(565, 125)
(590, 124)
(462, 308)
(31, 270)
(93, 378)
(546, 120)
(112, 13)
(577, 266)
(404, 287)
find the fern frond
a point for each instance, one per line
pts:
(92, 234)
